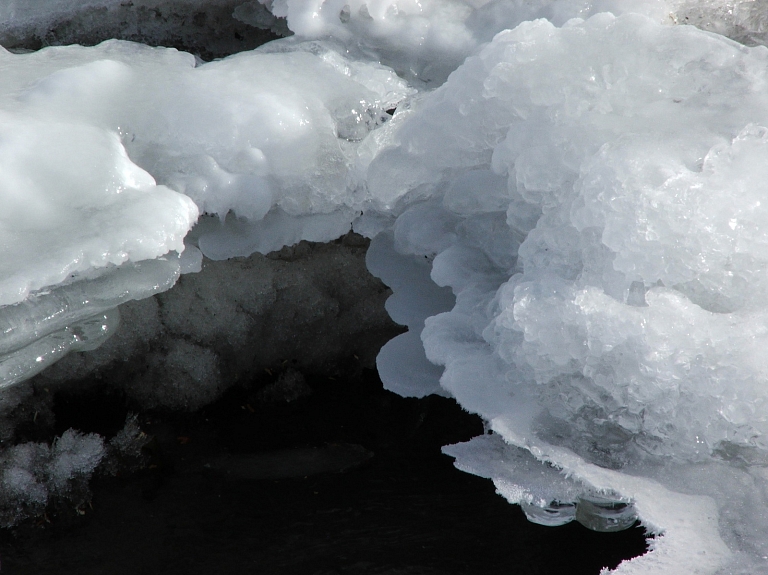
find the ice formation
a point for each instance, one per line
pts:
(565, 197)
(267, 133)
(34, 473)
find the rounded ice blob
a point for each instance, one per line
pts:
(73, 201)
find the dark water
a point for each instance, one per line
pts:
(403, 510)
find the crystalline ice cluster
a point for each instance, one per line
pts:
(34, 473)
(565, 197)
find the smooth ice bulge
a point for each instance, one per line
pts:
(73, 201)
(266, 138)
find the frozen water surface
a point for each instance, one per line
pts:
(567, 198)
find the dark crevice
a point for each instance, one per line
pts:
(405, 511)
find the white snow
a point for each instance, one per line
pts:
(568, 202)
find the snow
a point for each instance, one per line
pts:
(565, 197)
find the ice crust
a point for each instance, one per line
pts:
(565, 197)
(269, 133)
(32, 474)
(593, 196)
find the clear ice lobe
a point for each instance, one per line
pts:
(78, 316)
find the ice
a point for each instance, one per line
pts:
(191, 260)
(565, 197)
(238, 237)
(742, 20)
(402, 364)
(265, 138)
(254, 132)
(545, 494)
(426, 40)
(35, 473)
(63, 184)
(77, 316)
(592, 193)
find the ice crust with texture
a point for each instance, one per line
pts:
(606, 254)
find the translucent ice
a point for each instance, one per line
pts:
(78, 316)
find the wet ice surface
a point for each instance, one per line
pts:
(568, 209)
